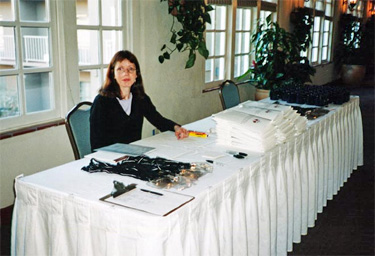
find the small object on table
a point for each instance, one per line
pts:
(198, 134)
(238, 155)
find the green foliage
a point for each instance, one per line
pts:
(192, 15)
(351, 48)
(277, 57)
(302, 20)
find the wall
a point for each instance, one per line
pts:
(176, 91)
(324, 74)
(30, 153)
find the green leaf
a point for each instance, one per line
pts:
(209, 8)
(166, 55)
(191, 60)
(179, 46)
(207, 18)
(202, 49)
(173, 38)
(193, 43)
(161, 59)
(278, 75)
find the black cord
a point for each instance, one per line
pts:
(139, 167)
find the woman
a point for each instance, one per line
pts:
(118, 110)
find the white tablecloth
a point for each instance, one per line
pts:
(260, 205)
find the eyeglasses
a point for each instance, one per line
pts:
(129, 70)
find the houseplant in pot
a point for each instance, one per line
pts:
(277, 58)
(350, 53)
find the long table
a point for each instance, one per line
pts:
(259, 205)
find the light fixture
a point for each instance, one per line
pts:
(351, 4)
(372, 7)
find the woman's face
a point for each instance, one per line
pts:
(125, 73)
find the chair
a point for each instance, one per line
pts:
(77, 124)
(229, 94)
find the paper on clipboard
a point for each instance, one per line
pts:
(156, 202)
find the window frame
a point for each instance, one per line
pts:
(321, 13)
(256, 6)
(63, 60)
(25, 119)
(226, 47)
(101, 66)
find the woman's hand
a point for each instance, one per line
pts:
(180, 132)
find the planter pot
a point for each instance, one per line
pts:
(261, 94)
(353, 74)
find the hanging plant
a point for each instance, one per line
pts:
(192, 15)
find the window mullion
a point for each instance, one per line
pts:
(100, 31)
(231, 37)
(19, 57)
(320, 40)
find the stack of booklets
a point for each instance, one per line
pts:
(239, 129)
(258, 126)
(288, 114)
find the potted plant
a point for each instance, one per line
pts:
(350, 52)
(277, 60)
(192, 16)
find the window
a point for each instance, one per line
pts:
(99, 37)
(357, 10)
(242, 40)
(27, 70)
(228, 37)
(39, 41)
(216, 36)
(321, 48)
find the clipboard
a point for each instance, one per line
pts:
(157, 202)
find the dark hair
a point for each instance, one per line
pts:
(111, 88)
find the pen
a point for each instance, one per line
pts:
(153, 192)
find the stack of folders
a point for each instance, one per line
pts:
(258, 126)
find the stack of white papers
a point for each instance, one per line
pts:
(243, 130)
(258, 126)
(286, 119)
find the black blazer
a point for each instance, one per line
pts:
(110, 124)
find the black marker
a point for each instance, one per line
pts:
(153, 192)
(238, 156)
